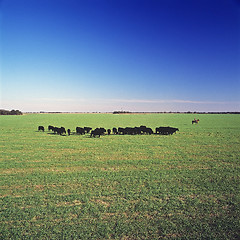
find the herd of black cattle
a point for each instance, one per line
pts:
(102, 131)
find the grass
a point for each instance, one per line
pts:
(184, 186)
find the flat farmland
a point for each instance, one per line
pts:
(181, 186)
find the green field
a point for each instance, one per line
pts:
(184, 186)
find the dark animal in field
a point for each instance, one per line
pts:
(98, 132)
(142, 129)
(87, 129)
(129, 130)
(95, 132)
(195, 121)
(146, 130)
(135, 130)
(172, 130)
(69, 132)
(149, 131)
(50, 128)
(59, 131)
(115, 131)
(162, 130)
(80, 130)
(55, 130)
(132, 130)
(62, 130)
(166, 130)
(138, 130)
(102, 130)
(121, 131)
(41, 128)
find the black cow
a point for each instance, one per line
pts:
(59, 131)
(173, 130)
(80, 130)
(166, 130)
(137, 130)
(162, 130)
(142, 129)
(121, 130)
(115, 131)
(63, 130)
(50, 128)
(148, 131)
(87, 129)
(69, 132)
(109, 131)
(55, 130)
(98, 132)
(41, 128)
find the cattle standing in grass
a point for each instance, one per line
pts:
(87, 129)
(80, 130)
(69, 132)
(59, 131)
(55, 130)
(172, 130)
(98, 132)
(149, 131)
(109, 131)
(115, 131)
(62, 130)
(121, 130)
(142, 129)
(41, 128)
(50, 128)
(166, 130)
(95, 132)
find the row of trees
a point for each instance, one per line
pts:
(12, 112)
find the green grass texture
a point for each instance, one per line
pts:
(181, 186)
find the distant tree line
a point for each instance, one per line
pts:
(189, 112)
(12, 112)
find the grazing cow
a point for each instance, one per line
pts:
(142, 129)
(121, 131)
(137, 130)
(161, 130)
(115, 131)
(62, 130)
(172, 130)
(195, 121)
(80, 130)
(98, 132)
(95, 132)
(102, 130)
(129, 130)
(59, 131)
(149, 131)
(87, 129)
(50, 128)
(55, 130)
(166, 130)
(41, 128)
(69, 132)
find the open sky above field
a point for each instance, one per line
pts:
(133, 55)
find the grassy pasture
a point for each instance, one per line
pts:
(184, 186)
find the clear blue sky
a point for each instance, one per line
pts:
(106, 55)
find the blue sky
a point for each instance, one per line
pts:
(133, 55)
